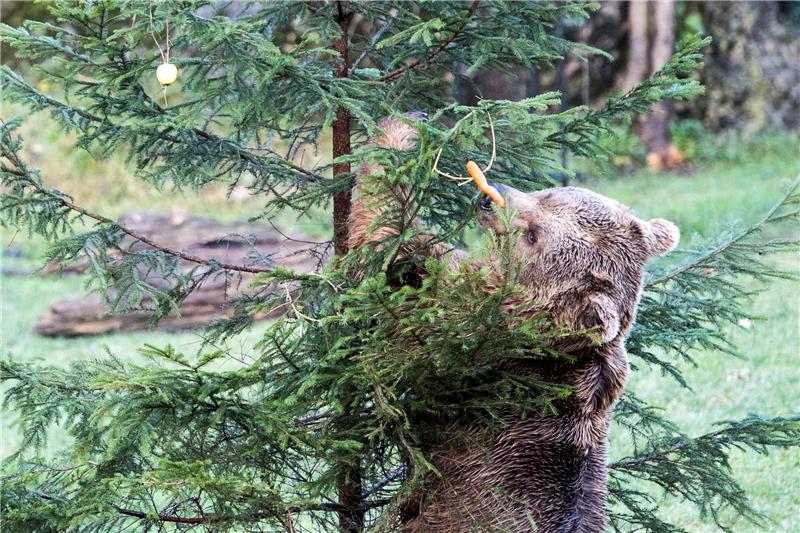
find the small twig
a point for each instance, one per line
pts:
(289, 521)
(305, 421)
(13, 237)
(291, 239)
(369, 48)
(392, 476)
(402, 70)
(290, 301)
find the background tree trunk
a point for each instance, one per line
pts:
(638, 47)
(751, 69)
(654, 128)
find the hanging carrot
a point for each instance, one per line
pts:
(480, 180)
(473, 169)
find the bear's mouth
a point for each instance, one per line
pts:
(485, 202)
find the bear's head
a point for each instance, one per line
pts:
(583, 254)
(399, 134)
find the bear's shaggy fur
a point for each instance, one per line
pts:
(585, 256)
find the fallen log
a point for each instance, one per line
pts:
(238, 243)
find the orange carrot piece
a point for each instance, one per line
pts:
(480, 180)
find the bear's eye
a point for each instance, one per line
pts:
(531, 236)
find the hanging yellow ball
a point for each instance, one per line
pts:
(167, 73)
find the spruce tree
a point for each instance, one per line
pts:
(319, 428)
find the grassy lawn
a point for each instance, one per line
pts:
(765, 380)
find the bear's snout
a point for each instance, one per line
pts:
(485, 202)
(502, 189)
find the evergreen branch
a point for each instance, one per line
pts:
(644, 422)
(252, 517)
(710, 255)
(753, 432)
(697, 469)
(45, 101)
(692, 305)
(391, 76)
(61, 199)
(250, 158)
(670, 81)
(24, 177)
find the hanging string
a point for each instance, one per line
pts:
(164, 55)
(169, 43)
(153, 35)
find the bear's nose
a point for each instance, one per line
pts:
(502, 189)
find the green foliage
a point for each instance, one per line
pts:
(687, 136)
(695, 287)
(369, 355)
(696, 469)
(270, 433)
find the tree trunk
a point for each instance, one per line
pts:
(351, 516)
(654, 134)
(637, 45)
(341, 141)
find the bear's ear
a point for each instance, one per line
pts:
(396, 134)
(662, 236)
(598, 313)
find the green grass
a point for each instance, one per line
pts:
(23, 299)
(739, 189)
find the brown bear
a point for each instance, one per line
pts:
(584, 257)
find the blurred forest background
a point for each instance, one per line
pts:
(707, 164)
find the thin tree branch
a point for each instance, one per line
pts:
(392, 476)
(208, 519)
(369, 48)
(136, 235)
(250, 158)
(415, 63)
